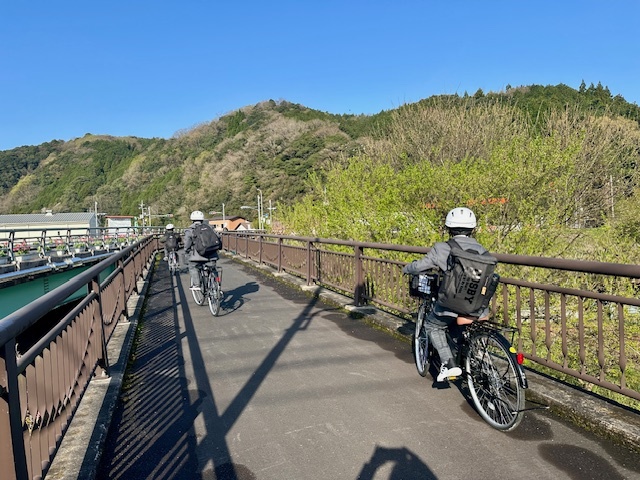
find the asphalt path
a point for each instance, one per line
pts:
(284, 386)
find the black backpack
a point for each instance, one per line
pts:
(205, 240)
(172, 241)
(469, 281)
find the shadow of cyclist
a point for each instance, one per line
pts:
(405, 465)
(234, 299)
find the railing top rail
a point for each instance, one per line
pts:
(582, 266)
(72, 228)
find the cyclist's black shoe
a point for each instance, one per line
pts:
(448, 371)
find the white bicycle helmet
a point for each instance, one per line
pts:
(169, 226)
(197, 215)
(460, 217)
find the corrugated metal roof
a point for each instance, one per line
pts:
(43, 218)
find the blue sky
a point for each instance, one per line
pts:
(152, 68)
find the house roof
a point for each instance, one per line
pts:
(228, 218)
(54, 218)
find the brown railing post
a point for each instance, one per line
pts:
(16, 441)
(359, 287)
(309, 245)
(279, 254)
(123, 280)
(260, 250)
(103, 360)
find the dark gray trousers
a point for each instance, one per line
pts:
(436, 327)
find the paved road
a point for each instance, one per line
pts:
(282, 386)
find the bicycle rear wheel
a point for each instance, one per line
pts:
(173, 262)
(214, 295)
(198, 295)
(421, 340)
(494, 381)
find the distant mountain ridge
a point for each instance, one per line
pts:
(269, 147)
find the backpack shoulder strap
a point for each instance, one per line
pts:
(453, 243)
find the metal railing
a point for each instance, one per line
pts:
(15, 243)
(587, 336)
(45, 369)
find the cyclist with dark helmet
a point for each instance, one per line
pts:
(460, 222)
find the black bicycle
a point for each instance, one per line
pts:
(490, 365)
(210, 287)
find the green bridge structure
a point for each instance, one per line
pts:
(307, 372)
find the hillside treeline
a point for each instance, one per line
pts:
(562, 182)
(549, 170)
(270, 146)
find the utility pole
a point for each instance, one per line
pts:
(142, 205)
(260, 211)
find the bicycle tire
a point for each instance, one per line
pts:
(494, 381)
(213, 296)
(421, 340)
(173, 263)
(198, 295)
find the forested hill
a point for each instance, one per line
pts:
(271, 146)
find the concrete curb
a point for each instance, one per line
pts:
(604, 418)
(79, 455)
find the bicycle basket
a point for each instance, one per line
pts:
(422, 285)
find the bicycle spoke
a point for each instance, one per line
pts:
(493, 382)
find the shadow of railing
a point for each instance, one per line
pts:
(158, 409)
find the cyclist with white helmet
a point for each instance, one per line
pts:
(190, 251)
(460, 223)
(172, 240)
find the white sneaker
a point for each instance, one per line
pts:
(195, 289)
(450, 370)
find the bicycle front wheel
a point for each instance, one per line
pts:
(494, 381)
(214, 296)
(198, 295)
(421, 341)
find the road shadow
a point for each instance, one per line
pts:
(404, 464)
(236, 298)
(152, 433)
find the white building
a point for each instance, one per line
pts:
(34, 223)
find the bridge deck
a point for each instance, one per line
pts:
(284, 386)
